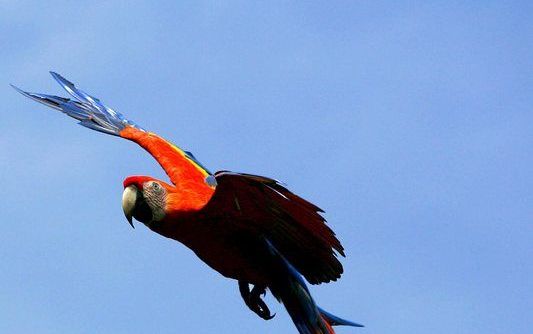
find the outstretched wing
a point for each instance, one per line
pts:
(181, 166)
(293, 225)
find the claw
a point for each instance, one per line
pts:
(253, 300)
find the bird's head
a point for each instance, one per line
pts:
(144, 198)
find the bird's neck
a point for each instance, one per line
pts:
(186, 198)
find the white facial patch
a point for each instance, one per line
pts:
(155, 196)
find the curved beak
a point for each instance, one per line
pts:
(129, 198)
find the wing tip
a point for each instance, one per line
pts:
(19, 90)
(58, 77)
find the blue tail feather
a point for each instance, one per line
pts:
(333, 320)
(289, 287)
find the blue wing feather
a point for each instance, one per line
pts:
(90, 111)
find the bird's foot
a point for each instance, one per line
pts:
(253, 300)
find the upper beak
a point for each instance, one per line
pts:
(129, 198)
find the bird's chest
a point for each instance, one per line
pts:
(233, 252)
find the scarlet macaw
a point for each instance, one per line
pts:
(247, 227)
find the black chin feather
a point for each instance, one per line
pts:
(142, 211)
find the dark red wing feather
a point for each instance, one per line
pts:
(292, 224)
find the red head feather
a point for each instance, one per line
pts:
(137, 180)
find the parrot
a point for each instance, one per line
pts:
(247, 227)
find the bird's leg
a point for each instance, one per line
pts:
(253, 299)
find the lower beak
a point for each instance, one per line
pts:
(129, 198)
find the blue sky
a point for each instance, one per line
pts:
(410, 123)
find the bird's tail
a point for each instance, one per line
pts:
(290, 288)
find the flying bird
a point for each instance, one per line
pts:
(246, 227)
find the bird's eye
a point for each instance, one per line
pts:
(156, 186)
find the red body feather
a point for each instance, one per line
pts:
(221, 224)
